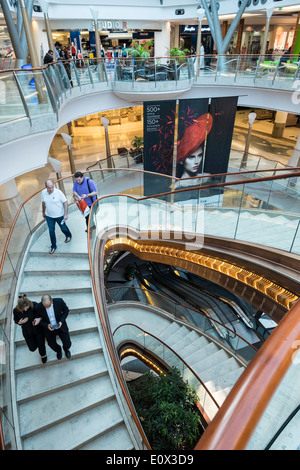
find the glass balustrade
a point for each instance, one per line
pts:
(208, 320)
(278, 428)
(251, 69)
(11, 103)
(130, 332)
(27, 92)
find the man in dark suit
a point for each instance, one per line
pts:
(54, 313)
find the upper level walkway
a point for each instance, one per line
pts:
(35, 103)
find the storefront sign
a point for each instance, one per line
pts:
(112, 24)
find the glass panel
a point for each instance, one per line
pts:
(96, 70)
(11, 106)
(128, 332)
(35, 92)
(18, 239)
(278, 428)
(82, 71)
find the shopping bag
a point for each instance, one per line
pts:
(83, 207)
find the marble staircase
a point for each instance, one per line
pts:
(69, 403)
(216, 366)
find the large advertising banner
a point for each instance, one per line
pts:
(194, 122)
(159, 131)
(204, 135)
(219, 139)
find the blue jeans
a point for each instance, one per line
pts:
(51, 225)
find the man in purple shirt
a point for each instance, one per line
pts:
(84, 188)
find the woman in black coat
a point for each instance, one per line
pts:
(25, 316)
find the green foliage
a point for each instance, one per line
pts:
(140, 50)
(137, 142)
(167, 408)
(178, 52)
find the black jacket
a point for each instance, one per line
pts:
(61, 312)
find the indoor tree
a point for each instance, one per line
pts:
(167, 408)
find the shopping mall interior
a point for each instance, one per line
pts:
(180, 272)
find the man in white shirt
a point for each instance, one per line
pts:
(55, 210)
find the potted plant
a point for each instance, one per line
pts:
(179, 56)
(140, 49)
(137, 143)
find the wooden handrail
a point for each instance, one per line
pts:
(109, 341)
(240, 413)
(176, 354)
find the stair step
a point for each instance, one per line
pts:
(77, 429)
(176, 337)
(111, 440)
(82, 301)
(170, 330)
(195, 356)
(42, 412)
(214, 357)
(60, 282)
(56, 264)
(40, 381)
(221, 386)
(196, 346)
(81, 345)
(220, 370)
(77, 323)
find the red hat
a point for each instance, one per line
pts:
(193, 136)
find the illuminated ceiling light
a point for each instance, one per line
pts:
(281, 295)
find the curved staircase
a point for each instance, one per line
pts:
(68, 403)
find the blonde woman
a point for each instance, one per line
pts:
(25, 316)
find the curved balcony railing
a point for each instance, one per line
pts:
(32, 96)
(208, 323)
(280, 72)
(29, 217)
(128, 332)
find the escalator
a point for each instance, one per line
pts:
(225, 309)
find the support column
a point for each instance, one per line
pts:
(279, 124)
(295, 157)
(34, 57)
(10, 200)
(29, 36)
(296, 40)
(239, 36)
(201, 13)
(269, 12)
(162, 40)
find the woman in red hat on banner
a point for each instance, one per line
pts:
(190, 158)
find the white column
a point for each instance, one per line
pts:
(9, 202)
(295, 157)
(162, 40)
(279, 124)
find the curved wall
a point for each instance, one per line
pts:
(29, 152)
